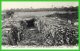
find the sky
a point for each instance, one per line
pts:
(12, 5)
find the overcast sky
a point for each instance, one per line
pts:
(9, 5)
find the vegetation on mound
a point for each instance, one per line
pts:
(50, 30)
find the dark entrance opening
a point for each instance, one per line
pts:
(30, 23)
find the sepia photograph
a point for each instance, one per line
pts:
(39, 25)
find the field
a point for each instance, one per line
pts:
(49, 31)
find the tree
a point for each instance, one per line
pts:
(10, 13)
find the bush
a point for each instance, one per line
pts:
(66, 36)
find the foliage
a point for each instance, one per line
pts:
(9, 13)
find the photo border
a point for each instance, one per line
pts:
(39, 1)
